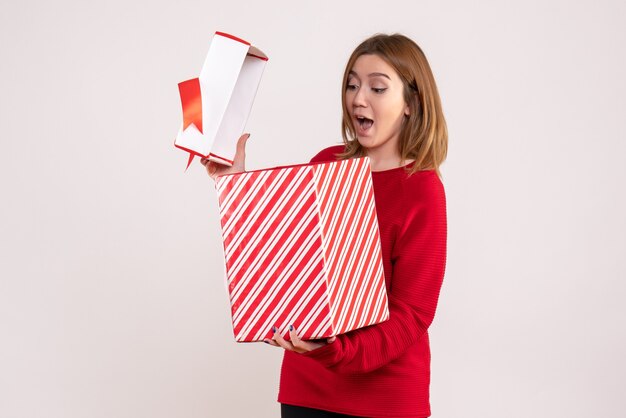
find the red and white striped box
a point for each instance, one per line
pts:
(302, 247)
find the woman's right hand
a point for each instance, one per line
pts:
(214, 169)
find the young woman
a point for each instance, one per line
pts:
(392, 114)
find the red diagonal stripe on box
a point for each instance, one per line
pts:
(367, 250)
(273, 251)
(282, 292)
(246, 212)
(261, 229)
(345, 296)
(273, 260)
(349, 297)
(350, 232)
(345, 235)
(261, 224)
(339, 202)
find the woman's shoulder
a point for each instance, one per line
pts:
(411, 181)
(412, 190)
(328, 154)
(425, 188)
(426, 180)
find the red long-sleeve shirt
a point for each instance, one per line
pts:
(384, 370)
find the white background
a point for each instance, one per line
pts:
(112, 298)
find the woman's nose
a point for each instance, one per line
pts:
(359, 98)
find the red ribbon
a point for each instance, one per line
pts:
(191, 99)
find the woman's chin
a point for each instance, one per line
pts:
(365, 141)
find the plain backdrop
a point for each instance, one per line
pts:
(112, 298)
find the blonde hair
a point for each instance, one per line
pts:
(424, 134)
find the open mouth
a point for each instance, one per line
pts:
(364, 123)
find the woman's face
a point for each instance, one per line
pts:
(375, 102)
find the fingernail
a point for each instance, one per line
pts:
(290, 327)
(274, 330)
(266, 342)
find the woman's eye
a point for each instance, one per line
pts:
(352, 87)
(379, 90)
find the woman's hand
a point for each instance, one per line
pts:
(296, 344)
(239, 165)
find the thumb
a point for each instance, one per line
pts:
(241, 143)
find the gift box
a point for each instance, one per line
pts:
(302, 247)
(217, 104)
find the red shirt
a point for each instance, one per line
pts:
(384, 370)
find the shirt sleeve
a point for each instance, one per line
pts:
(418, 266)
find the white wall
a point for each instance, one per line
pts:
(112, 302)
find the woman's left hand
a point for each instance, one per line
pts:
(296, 344)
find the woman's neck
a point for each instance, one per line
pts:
(386, 162)
(386, 156)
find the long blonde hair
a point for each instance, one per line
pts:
(424, 134)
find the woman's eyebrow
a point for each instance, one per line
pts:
(379, 75)
(371, 74)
